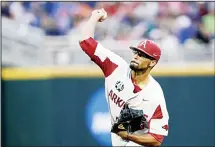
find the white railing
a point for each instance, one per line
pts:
(23, 45)
(69, 52)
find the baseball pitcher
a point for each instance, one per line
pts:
(136, 102)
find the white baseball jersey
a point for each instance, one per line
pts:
(119, 88)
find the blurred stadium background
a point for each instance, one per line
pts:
(52, 94)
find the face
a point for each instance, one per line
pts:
(141, 61)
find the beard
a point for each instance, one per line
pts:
(135, 67)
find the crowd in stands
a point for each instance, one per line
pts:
(126, 20)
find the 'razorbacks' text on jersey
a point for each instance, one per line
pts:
(120, 89)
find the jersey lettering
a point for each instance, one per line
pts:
(116, 99)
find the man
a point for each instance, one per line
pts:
(132, 85)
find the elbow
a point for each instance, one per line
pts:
(156, 143)
(156, 140)
(145, 140)
(152, 142)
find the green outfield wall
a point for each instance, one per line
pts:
(51, 110)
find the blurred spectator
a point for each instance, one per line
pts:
(209, 19)
(20, 13)
(5, 10)
(179, 21)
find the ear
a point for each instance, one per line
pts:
(153, 63)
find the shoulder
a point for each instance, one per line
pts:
(155, 85)
(156, 89)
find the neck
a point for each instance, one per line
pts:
(140, 77)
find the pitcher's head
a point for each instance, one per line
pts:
(145, 55)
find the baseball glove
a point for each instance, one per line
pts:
(130, 120)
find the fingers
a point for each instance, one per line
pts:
(103, 10)
(99, 14)
(100, 11)
(104, 15)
